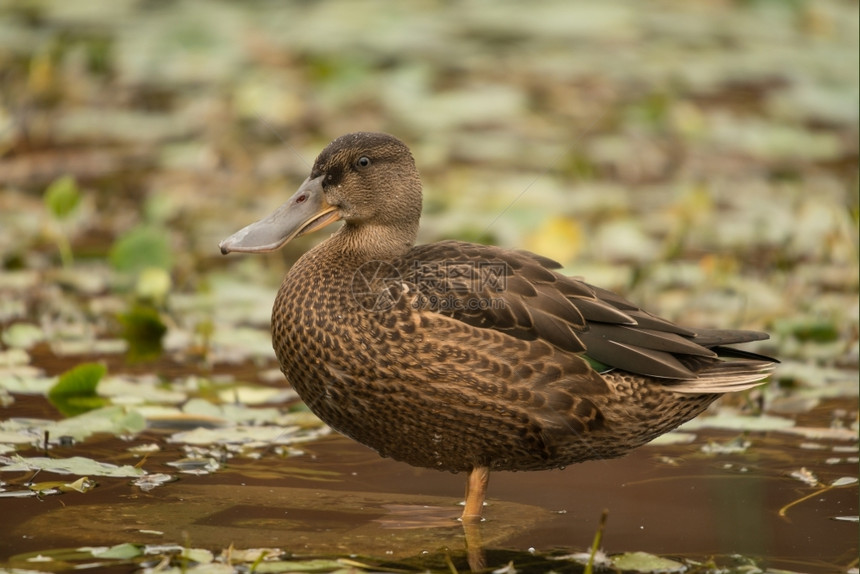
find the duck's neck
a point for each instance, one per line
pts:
(333, 263)
(367, 242)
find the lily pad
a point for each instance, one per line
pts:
(734, 421)
(62, 197)
(252, 435)
(674, 437)
(113, 419)
(78, 465)
(144, 331)
(140, 248)
(82, 485)
(236, 413)
(23, 335)
(75, 391)
(120, 551)
(310, 565)
(644, 562)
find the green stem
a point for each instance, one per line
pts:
(65, 247)
(595, 545)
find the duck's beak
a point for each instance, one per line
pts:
(306, 211)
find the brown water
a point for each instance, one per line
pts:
(340, 498)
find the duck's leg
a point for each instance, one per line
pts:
(475, 546)
(476, 491)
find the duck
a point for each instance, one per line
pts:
(465, 357)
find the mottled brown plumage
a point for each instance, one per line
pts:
(466, 357)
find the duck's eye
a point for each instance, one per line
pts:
(363, 161)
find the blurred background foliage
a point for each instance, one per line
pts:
(701, 157)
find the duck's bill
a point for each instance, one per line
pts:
(306, 211)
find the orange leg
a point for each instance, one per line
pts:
(476, 491)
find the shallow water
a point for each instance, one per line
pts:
(339, 498)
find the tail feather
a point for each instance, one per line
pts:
(727, 377)
(741, 354)
(717, 337)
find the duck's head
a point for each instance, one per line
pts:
(369, 180)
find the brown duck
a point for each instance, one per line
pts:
(466, 357)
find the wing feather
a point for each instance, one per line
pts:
(522, 295)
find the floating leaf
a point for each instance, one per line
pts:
(18, 494)
(644, 562)
(13, 437)
(61, 557)
(23, 335)
(506, 569)
(142, 247)
(726, 419)
(805, 475)
(809, 329)
(199, 555)
(143, 330)
(14, 357)
(78, 465)
(196, 466)
(153, 284)
(235, 435)
(75, 392)
(823, 433)
(82, 485)
(734, 445)
(674, 438)
(254, 554)
(311, 565)
(120, 551)
(150, 481)
(62, 197)
(112, 419)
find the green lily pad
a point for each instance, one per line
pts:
(809, 329)
(120, 551)
(144, 331)
(153, 284)
(644, 562)
(62, 197)
(140, 248)
(312, 565)
(75, 391)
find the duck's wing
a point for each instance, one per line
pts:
(521, 294)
